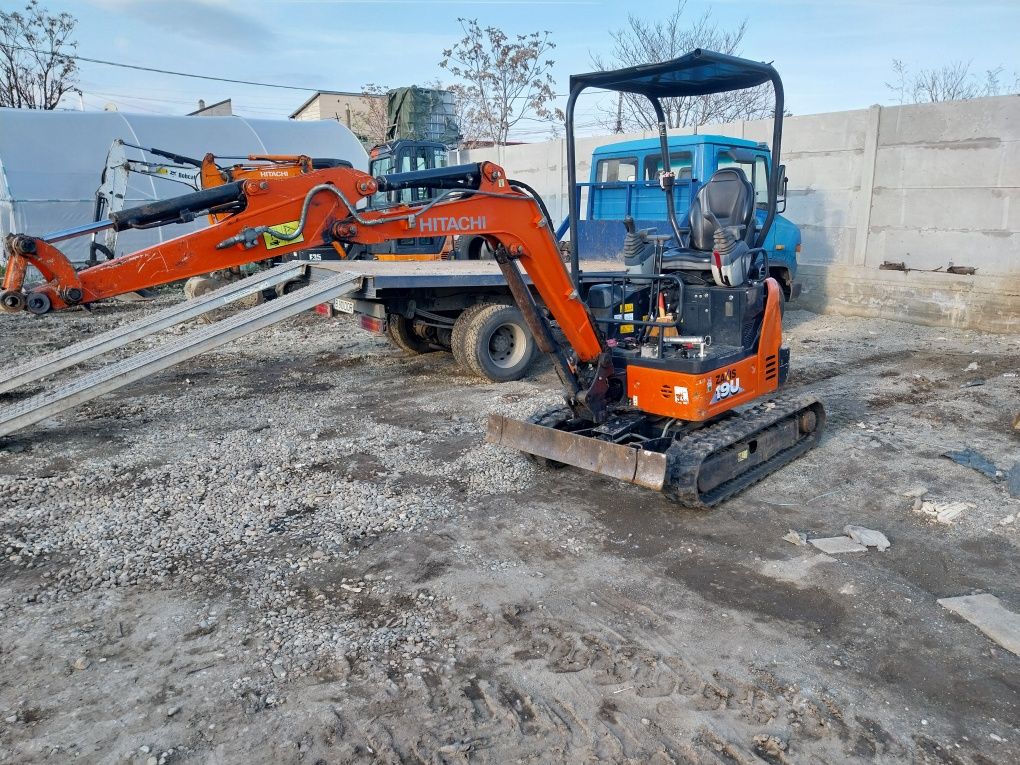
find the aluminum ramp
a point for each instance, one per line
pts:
(47, 364)
(119, 374)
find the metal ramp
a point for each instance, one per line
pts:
(119, 374)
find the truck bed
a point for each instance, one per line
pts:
(381, 276)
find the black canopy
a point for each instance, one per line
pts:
(694, 74)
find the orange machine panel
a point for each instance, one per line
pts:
(696, 398)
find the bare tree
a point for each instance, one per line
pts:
(471, 126)
(645, 41)
(953, 81)
(371, 122)
(35, 65)
(504, 81)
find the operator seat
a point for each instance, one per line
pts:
(729, 196)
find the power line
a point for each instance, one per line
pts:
(167, 71)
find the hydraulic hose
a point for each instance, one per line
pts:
(522, 186)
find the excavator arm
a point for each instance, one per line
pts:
(260, 219)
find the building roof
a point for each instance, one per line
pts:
(209, 106)
(318, 93)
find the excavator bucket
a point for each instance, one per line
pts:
(625, 463)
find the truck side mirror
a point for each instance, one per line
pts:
(781, 195)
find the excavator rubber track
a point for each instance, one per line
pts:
(768, 436)
(700, 469)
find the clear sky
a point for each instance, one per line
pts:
(831, 55)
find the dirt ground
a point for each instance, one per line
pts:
(299, 549)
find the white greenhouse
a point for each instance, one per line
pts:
(51, 162)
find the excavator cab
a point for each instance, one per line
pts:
(405, 156)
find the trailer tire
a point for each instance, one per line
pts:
(498, 344)
(458, 339)
(472, 248)
(401, 334)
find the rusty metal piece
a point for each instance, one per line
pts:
(625, 463)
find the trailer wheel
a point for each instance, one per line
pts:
(472, 248)
(400, 332)
(458, 340)
(498, 344)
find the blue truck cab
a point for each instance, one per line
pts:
(624, 182)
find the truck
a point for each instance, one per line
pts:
(431, 309)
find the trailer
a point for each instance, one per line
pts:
(462, 307)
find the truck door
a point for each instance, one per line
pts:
(610, 193)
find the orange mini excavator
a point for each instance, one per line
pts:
(665, 367)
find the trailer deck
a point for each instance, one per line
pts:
(379, 276)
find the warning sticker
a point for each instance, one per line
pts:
(628, 309)
(273, 242)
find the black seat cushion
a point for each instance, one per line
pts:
(686, 259)
(730, 197)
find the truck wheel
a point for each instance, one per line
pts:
(458, 340)
(498, 344)
(400, 332)
(472, 248)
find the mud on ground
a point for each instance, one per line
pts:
(299, 549)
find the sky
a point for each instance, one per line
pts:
(831, 55)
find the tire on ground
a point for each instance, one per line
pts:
(498, 344)
(400, 333)
(458, 342)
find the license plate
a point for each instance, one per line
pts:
(344, 306)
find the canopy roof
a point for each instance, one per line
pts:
(695, 74)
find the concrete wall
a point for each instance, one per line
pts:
(929, 185)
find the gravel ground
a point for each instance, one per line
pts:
(298, 549)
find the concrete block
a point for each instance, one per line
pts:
(823, 245)
(834, 545)
(985, 209)
(988, 303)
(943, 165)
(822, 207)
(975, 120)
(828, 170)
(991, 252)
(815, 133)
(987, 613)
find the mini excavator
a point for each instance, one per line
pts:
(665, 367)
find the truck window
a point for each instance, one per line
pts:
(616, 170)
(757, 173)
(680, 163)
(761, 181)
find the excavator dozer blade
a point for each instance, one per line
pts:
(625, 463)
